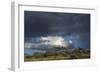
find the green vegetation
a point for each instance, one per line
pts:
(59, 55)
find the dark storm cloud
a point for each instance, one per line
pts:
(70, 26)
(47, 23)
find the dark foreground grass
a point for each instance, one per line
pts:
(77, 54)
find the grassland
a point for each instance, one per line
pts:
(63, 55)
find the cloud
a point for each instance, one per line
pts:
(54, 40)
(47, 23)
(46, 41)
(28, 45)
(40, 27)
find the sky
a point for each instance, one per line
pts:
(72, 28)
